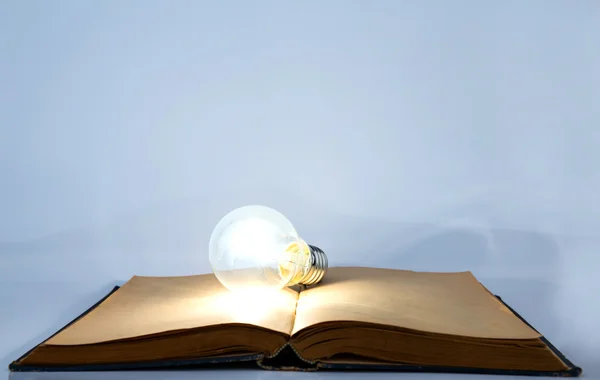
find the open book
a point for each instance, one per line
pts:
(357, 318)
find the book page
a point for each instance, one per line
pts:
(151, 305)
(446, 303)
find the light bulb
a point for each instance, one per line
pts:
(257, 248)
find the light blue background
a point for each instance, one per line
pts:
(430, 135)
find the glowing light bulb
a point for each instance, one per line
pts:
(256, 248)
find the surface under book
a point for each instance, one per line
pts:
(357, 318)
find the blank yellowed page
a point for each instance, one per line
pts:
(151, 305)
(446, 303)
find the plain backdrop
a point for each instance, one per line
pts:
(427, 135)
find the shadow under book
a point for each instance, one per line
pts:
(356, 319)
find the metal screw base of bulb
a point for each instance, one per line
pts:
(318, 267)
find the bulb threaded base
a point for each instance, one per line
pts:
(318, 266)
